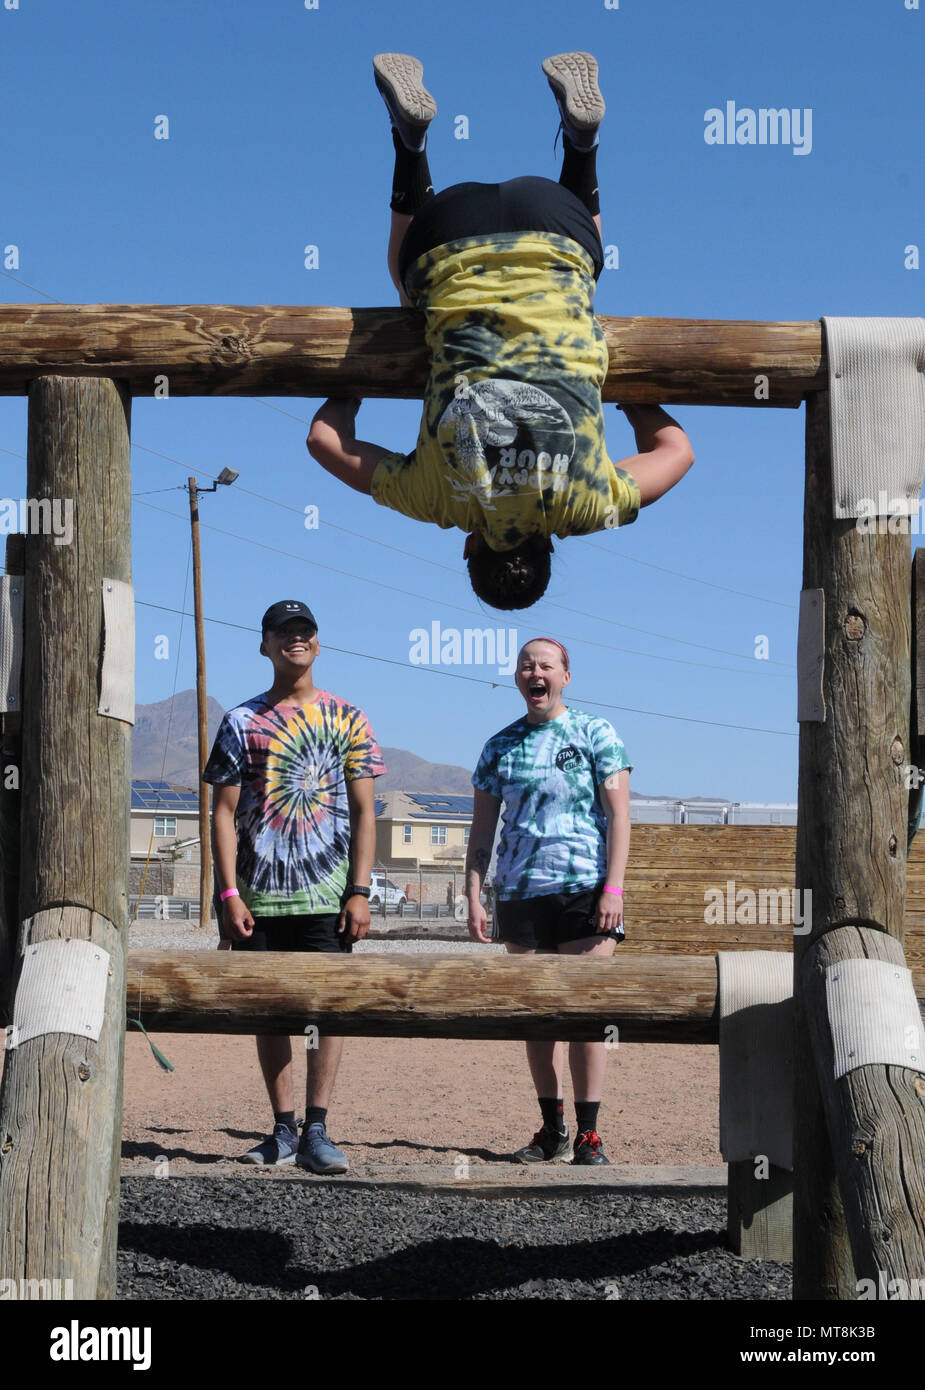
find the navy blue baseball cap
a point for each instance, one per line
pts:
(279, 613)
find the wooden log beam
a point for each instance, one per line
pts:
(60, 1106)
(669, 999)
(310, 351)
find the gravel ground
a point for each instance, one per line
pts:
(214, 1238)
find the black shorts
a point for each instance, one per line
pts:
(480, 209)
(543, 923)
(308, 932)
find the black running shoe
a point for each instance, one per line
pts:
(547, 1144)
(588, 1149)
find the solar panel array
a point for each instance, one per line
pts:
(161, 796)
(449, 806)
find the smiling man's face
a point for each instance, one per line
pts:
(294, 644)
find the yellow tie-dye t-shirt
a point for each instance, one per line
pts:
(512, 434)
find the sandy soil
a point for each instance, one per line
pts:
(412, 1101)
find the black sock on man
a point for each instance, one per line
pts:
(284, 1117)
(315, 1115)
(551, 1110)
(579, 174)
(586, 1115)
(411, 182)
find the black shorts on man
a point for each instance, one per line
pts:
(308, 932)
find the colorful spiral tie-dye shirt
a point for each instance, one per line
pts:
(554, 828)
(512, 434)
(293, 764)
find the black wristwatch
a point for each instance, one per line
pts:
(356, 890)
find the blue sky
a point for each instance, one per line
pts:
(279, 140)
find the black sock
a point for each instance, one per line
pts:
(411, 185)
(315, 1115)
(284, 1117)
(586, 1115)
(579, 174)
(551, 1110)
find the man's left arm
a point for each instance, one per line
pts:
(354, 918)
(614, 792)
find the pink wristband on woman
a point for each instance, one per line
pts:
(617, 891)
(230, 893)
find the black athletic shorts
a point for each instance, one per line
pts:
(543, 923)
(480, 209)
(298, 933)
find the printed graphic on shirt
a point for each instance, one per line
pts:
(554, 828)
(515, 435)
(512, 430)
(293, 764)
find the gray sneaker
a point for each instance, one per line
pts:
(280, 1148)
(411, 106)
(573, 79)
(318, 1153)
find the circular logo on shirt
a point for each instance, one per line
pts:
(568, 757)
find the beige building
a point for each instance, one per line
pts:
(422, 830)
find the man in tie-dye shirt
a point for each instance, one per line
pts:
(294, 833)
(511, 447)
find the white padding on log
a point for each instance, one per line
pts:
(11, 594)
(873, 1015)
(61, 989)
(117, 682)
(877, 411)
(756, 1056)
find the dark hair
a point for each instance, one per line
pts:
(511, 578)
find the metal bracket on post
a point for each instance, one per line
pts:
(61, 989)
(117, 678)
(877, 414)
(756, 1099)
(11, 604)
(874, 1016)
(811, 657)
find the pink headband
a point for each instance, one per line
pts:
(553, 643)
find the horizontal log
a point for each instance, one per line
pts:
(312, 351)
(649, 999)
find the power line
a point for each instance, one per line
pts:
(495, 685)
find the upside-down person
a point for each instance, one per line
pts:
(511, 447)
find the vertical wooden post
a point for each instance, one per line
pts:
(60, 1108)
(10, 769)
(851, 842)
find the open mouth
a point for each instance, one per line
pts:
(537, 690)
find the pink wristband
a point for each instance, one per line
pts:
(230, 893)
(617, 891)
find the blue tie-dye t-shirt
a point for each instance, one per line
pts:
(293, 763)
(554, 828)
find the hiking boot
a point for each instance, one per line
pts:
(546, 1145)
(411, 106)
(279, 1149)
(573, 79)
(318, 1153)
(588, 1149)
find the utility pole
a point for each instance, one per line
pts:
(226, 477)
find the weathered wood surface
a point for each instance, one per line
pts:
(307, 350)
(647, 998)
(61, 1102)
(759, 1212)
(10, 763)
(853, 811)
(876, 1120)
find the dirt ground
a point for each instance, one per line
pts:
(410, 1102)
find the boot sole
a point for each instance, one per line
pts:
(402, 74)
(574, 77)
